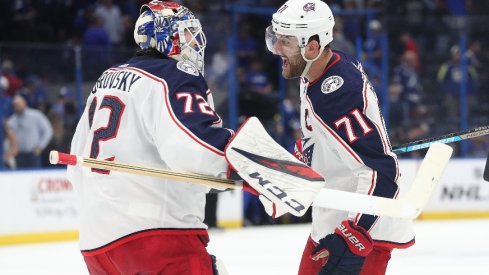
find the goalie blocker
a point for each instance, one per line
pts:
(291, 186)
(271, 170)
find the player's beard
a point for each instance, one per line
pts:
(295, 67)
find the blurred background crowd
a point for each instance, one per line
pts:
(426, 58)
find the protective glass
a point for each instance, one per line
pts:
(285, 44)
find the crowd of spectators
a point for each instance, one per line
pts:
(32, 123)
(426, 68)
(424, 65)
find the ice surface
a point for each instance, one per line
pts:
(442, 247)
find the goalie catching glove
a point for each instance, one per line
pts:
(346, 249)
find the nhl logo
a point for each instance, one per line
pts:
(309, 7)
(331, 84)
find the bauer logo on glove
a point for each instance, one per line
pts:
(357, 242)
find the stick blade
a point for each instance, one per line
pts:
(428, 175)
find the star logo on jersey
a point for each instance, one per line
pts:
(331, 84)
(309, 7)
(188, 68)
(307, 151)
(303, 155)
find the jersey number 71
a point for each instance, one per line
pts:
(347, 123)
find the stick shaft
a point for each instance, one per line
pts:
(366, 204)
(215, 182)
(449, 138)
(328, 198)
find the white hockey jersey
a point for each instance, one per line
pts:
(344, 139)
(152, 112)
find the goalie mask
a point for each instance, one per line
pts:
(295, 22)
(171, 29)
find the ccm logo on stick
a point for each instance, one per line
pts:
(277, 192)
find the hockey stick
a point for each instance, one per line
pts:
(409, 207)
(448, 138)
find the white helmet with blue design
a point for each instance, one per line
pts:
(171, 29)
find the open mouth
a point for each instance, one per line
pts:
(285, 62)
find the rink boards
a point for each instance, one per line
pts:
(41, 205)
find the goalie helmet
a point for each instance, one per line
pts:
(171, 29)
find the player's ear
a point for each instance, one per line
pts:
(312, 48)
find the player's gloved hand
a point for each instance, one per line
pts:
(346, 249)
(272, 209)
(233, 175)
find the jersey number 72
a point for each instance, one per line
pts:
(116, 108)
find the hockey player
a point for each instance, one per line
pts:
(154, 110)
(343, 138)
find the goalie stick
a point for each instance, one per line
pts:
(408, 207)
(413, 203)
(56, 157)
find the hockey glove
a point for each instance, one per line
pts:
(346, 249)
(233, 175)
